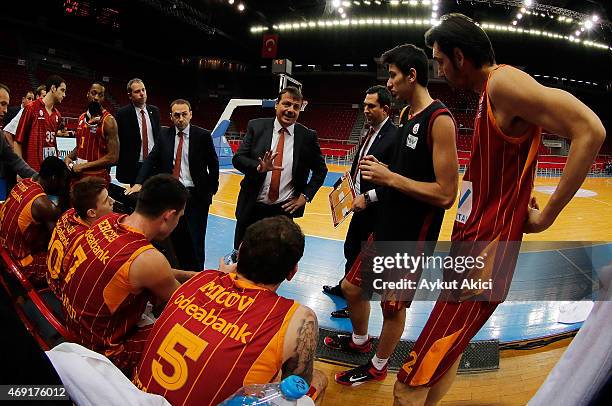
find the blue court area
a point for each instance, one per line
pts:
(323, 264)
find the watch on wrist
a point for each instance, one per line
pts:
(306, 197)
(366, 196)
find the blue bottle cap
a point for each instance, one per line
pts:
(294, 387)
(245, 401)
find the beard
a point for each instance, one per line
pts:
(94, 109)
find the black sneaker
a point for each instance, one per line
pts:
(361, 374)
(344, 342)
(341, 314)
(333, 290)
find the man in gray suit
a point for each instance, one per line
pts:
(7, 156)
(276, 157)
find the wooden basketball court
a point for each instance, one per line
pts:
(588, 217)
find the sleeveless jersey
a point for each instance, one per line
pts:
(215, 335)
(91, 145)
(495, 193)
(19, 232)
(100, 306)
(36, 133)
(68, 227)
(411, 219)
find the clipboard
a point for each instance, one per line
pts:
(341, 198)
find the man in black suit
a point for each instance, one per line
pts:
(276, 157)
(187, 152)
(13, 110)
(380, 141)
(139, 126)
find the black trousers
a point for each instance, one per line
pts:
(259, 212)
(362, 224)
(189, 236)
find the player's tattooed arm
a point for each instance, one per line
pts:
(301, 361)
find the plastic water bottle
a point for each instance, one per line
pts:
(272, 394)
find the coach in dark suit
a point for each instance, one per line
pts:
(276, 157)
(139, 126)
(186, 152)
(381, 142)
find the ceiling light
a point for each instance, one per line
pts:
(230, 1)
(528, 3)
(588, 24)
(514, 22)
(336, 3)
(595, 18)
(241, 7)
(341, 10)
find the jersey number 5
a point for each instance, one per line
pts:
(194, 346)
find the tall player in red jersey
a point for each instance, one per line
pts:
(495, 203)
(222, 331)
(112, 271)
(35, 136)
(90, 201)
(28, 217)
(97, 146)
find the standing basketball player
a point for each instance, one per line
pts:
(495, 201)
(35, 135)
(419, 184)
(97, 138)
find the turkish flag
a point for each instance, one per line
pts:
(269, 46)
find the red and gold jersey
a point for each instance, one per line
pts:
(495, 193)
(216, 334)
(68, 227)
(20, 233)
(36, 133)
(92, 145)
(100, 305)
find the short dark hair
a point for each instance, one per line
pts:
(53, 80)
(39, 90)
(180, 101)
(160, 193)
(459, 31)
(84, 194)
(270, 250)
(293, 92)
(28, 92)
(406, 57)
(131, 82)
(5, 87)
(384, 95)
(53, 167)
(97, 82)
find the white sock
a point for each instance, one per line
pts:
(379, 363)
(360, 340)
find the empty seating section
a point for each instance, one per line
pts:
(16, 78)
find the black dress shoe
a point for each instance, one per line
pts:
(341, 314)
(333, 290)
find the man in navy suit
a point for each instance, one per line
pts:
(187, 152)
(138, 125)
(379, 141)
(276, 156)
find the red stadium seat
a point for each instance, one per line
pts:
(13, 270)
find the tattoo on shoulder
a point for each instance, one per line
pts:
(302, 362)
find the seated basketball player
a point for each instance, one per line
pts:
(28, 217)
(222, 331)
(113, 271)
(90, 201)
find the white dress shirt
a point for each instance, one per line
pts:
(149, 129)
(372, 192)
(184, 175)
(11, 127)
(286, 190)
